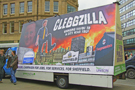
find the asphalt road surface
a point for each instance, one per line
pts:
(128, 84)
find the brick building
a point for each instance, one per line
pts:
(14, 13)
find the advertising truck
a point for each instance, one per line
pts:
(82, 48)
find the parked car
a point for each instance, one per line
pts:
(130, 67)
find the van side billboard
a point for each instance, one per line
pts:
(79, 42)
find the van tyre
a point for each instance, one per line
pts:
(62, 82)
(131, 73)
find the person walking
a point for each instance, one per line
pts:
(126, 57)
(131, 55)
(13, 65)
(2, 63)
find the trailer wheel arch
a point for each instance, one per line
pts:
(62, 81)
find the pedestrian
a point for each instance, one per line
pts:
(2, 63)
(131, 55)
(13, 65)
(126, 57)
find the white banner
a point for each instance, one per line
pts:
(70, 57)
(105, 70)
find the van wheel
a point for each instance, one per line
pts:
(131, 73)
(62, 82)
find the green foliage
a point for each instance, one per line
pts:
(36, 63)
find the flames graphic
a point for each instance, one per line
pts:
(94, 37)
(91, 38)
(95, 33)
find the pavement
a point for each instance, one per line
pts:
(23, 84)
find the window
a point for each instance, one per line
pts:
(30, 6)
(129, 32)
(125, 33)
(5, 9)
(124, 41)
(6, 41)
(122, 1)
(5, 27)
(133, 12)
(21, 25)
(12, 8)
(133, 21)
(128, 24)
(121, 18)
(120, 10)
(131, 40)
(130, 14)
(21, 7)
(124, 25)
(127, 41)
(11, 27)
(124, 8)
(128, 6)
(71, 9)
(133, 3)
(134, 31)
(47, 6)
(127, 15)
(124, 17)
(55, 8)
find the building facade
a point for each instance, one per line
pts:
(14, 13)
(127, 16)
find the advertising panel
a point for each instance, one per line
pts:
(79, 42)
(70, 57)
(28, 57)
(119, 61)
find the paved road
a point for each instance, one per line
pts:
(128, 84)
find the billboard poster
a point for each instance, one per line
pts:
(119, 61)
(28, 57)
(79, 42)
(70, 57)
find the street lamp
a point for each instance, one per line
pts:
(37, 9)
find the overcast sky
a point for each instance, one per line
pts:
(86, 4)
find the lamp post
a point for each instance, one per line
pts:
(37, 9)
